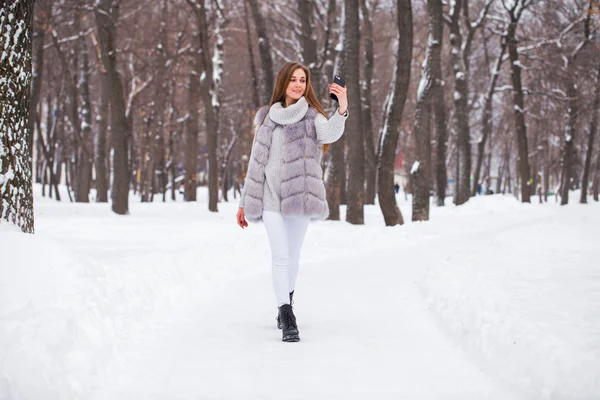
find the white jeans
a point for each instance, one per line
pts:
(286, 235)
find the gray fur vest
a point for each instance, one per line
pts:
(302, 187)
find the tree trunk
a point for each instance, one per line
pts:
(160, 102)
(43, 13)
(253, 72)
(421, 169)
(570, 133)
(16, 186)
(212, 71)
(369, 146)
(596, 185)
(354, 133)
(591, 134)
(461, 114)
(486, 119)
(101, 163)
(106, 20)
(191, 134)
(388, 140)
(439, 114)
(519, 111)
(86, 149)
(264, 48)
(308, 42)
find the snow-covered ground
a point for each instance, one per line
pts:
(491, 300)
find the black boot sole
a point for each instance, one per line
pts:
(291, 338)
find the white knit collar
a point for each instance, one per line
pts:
(290, 114)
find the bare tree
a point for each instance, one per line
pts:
(461, 113)
(515, 11)
(86, 149)
(421, 169)
(486, 118)
(107, 13)
(573, 111)
(439, 114)
(336, 170)
(394, 107)
(590, 145)
(370, 155)
(16, 191)
(253, 72)
(264, 47)
(354, 132)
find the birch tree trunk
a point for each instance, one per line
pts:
(388, 139)
(16, 190)
(107, 15)
(354, 133)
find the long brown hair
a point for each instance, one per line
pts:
(283, 79)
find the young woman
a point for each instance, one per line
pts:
(284, 184)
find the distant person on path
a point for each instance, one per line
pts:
(284, 186)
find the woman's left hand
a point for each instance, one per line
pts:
(341, 93)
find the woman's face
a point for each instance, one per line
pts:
(296, 87)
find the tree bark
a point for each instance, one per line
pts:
(354, 133)
(191, 131)
(308, 41)
(591, 135)
(336, 171)
(86, 148)
(253, 72)
(107, 14)
(486, 118)
(421, 169)
(16, 186)
(388, 140)
(519, 108)
(160, 102)
(212, 68)
(461, 114)
(264, 47)
(439, 114)
(43, 13)
(369, 146)
(596, 185)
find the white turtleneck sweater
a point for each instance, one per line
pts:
(328, 131)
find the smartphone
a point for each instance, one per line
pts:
(337, 79)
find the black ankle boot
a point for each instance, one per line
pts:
(291, 304)
(288, 322)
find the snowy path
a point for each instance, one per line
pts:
(491, 300)
(365, 334)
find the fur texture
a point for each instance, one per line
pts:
(302, 186)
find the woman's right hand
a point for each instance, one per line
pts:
(241, 218)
